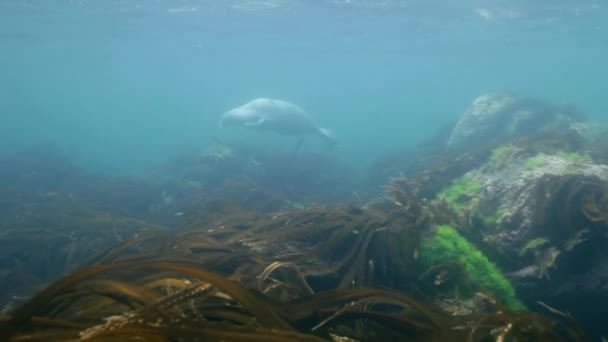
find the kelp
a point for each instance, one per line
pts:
(54, 216)
(340, 246)
(47, 244)
(293, 275)
(207, 306)
(226, 273)
(563, 203)
(49, 197)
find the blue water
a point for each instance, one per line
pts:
(123, 85)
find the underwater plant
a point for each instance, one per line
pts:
(460, 194)
(575, 157)
(503, 154)
(493, 219)
(569, 161)
(447, 245)
(536, 162)
(160, 300)
(228, 273)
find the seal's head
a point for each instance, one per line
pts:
(241, 116)
(228, 119)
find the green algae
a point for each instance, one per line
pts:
(461, 192)
(575, 157)
(500, 153)
(447, 245)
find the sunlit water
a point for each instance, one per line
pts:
(124, 85)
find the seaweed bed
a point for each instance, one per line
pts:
(133, 265)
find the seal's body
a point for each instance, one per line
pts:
(275, 115)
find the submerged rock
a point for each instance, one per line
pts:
(539, 209)
(500, 116)
(519, 189)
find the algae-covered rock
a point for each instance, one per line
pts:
(538, 208)
(591, 131)
(520, 190)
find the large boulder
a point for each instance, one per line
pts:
(500, 116)
(538, 207)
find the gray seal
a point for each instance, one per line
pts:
(275, 115)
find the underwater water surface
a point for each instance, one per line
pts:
(123, 85)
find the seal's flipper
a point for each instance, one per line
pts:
(329, 136)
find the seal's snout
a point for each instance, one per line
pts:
(229, 119)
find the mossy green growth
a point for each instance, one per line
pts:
(574, 157)
(459, 194)
(447, 245)
(491, 220)
(570, 157)
(536, 162)
(500, 153)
